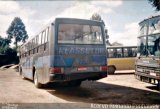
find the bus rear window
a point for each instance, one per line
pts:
(79, 34)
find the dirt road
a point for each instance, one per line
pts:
(115, 89)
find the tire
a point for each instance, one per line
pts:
(36, 83)
(111, 69)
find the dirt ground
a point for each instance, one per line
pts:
(120, 88)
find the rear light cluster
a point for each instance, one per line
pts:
(103, 68)
(56, 70)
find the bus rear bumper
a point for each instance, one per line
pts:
(147, 78)
(147, 75)
(77, 76)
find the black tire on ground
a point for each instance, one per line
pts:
(111, 69)
(141, 78)
(36, 83)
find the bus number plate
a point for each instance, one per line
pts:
(82, 68)
(153, 74)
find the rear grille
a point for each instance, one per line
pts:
(147, 70)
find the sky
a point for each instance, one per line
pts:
(121, 17)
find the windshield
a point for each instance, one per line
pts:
(79, 34)
(143, 28)
(154, 26)
(149, 29)
(142, 45)
(153, 45)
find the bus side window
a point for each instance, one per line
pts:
(39, 42)
(43, 37)
(119, 52)
(47, 32)
(125, 52)
(110, 53)
(46, 39)
(130, 53)
(36, 42)
(43, 40)
(33, 45)
(30, 47)
(114, 53)
(39, 39)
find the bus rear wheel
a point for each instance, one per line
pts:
(111, 69)
(36, 83)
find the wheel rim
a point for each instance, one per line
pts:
(111, 70)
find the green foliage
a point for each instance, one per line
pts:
(17, 31)
(4, 42)
(7, 55)
(156, 4)
(4, 45)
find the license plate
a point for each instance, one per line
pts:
(153, 74)
(82, 68)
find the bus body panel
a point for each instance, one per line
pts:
(72, 56)
(122, 63)
(43, 64)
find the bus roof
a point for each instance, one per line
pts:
(150, 17)
(121, 46)
(77, 19)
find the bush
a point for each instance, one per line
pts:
(8, 56)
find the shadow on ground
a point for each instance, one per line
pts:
(153, 88)
(122, 74)
(97, 92)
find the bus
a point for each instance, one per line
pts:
(68, 51)
(121, 58)
(148, 57)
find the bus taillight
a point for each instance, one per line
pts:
(55, 70)
(103, 68)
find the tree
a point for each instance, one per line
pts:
(4, 45)
(17, 31)
(96, 16)
(4, 42)
(156, 4)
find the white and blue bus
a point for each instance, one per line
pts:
(67, 50)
